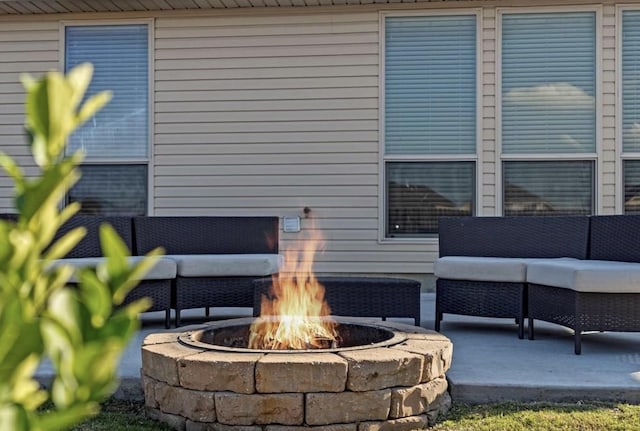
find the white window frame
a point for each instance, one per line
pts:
(383, 158)
(621, 156)
(148, 160)
(596, 156)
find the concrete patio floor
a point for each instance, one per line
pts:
(490, 363)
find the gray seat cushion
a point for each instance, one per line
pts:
(227, 265)
(599, 276)
(480, 268)
(164, 269)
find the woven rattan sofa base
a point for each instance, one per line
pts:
(481, 298)
(583, 311)
(205, 292)
(160, 293)
(362, 296)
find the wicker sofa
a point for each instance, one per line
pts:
(579, 272)
(483, 260)
(209, 261)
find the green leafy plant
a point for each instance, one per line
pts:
(80, 329)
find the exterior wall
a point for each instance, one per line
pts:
(272, 111)
(30, 47)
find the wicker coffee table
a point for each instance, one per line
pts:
(361, 296)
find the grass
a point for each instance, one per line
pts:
(119, 415)
(582, 416)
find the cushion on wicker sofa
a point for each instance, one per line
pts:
(478, 268)
(164, 269)
(227, 265)
(597, 276)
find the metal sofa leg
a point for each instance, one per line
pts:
(177, 317)
(167, 318)
(577, 339)
(530, 328)
(520, 328)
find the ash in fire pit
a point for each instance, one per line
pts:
(234, 337)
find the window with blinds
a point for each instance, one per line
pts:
(430, 112)
(631, 81)
(548, 88)
(631, 178)
(548, 187)
(548, 83)
(115, 141)
(630, 85)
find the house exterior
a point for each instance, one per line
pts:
(375, 117)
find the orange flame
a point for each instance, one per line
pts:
(294, 318)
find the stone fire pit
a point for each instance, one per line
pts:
(398, 384)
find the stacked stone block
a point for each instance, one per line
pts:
(394, 388)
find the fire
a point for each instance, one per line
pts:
(294, 317)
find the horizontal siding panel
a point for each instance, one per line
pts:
(29, 56)
(12, 108)
(267, 94)
(262, 40)
(261, 22)
(241, 31)
(268, 148)
(217, 191)
(373, 267)
(265, 84)
(266, 73)
(261, 169)
(270, 62)
(22, 37)
(202, 138)
(276, 159)
(368, 257)
(25, 46)
(10, 119)
(32, 66)
(267, 115)
(272, 180)
(267, 127)
(274, 51)
(261, 202)
(11, 88)
(278, 211)
(176, 107)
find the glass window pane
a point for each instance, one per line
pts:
(119, 54)
(548, 82)
(548, 187)
(420, 192)
(430, 85)
(111, 190)
(631, 80)
(631, 172)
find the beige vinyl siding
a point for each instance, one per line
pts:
(24, 47)
(487, 165)
(271, 111)
(608, 152)
(268, 115)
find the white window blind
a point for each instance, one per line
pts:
(548, 82)
(430, 85)
(119, 54)
(631, 81)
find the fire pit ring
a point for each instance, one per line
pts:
(227, 337)
(396, 383)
